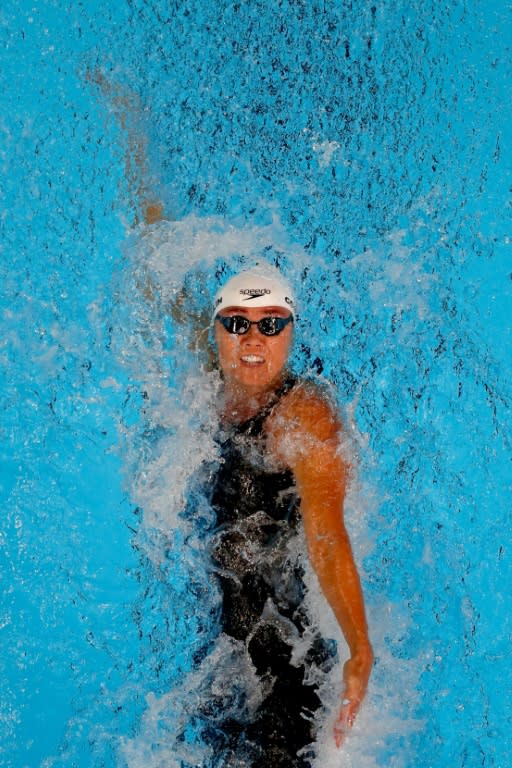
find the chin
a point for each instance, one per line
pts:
(255, 381)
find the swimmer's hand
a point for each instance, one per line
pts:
(356, 673)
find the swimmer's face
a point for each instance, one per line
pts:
(252, 361)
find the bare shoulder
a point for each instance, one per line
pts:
(304, 419)
(304, 432)
(310, 407)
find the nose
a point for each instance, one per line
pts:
(253, 336)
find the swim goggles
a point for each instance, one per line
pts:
(268, 326)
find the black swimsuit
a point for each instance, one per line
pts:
(257, 520)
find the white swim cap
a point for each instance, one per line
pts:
(259, 287)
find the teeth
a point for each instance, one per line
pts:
(251, 359)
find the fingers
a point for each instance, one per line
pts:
(345, 720)
(356, 672)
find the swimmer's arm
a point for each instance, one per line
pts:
(126, 107)
(311, 447)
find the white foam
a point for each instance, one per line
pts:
(325, 151)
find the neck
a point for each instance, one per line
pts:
(239, 404)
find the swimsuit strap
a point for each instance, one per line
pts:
(254, 425)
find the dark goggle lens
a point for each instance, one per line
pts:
(271, 326)
(268, 326)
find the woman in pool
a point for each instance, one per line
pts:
(282, 468)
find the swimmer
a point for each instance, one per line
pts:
(280, 442)
(282, 468)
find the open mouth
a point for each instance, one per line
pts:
(252, 359)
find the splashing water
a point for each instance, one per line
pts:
(364, 148)
(173, 441)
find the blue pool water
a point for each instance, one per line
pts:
(366, 147)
